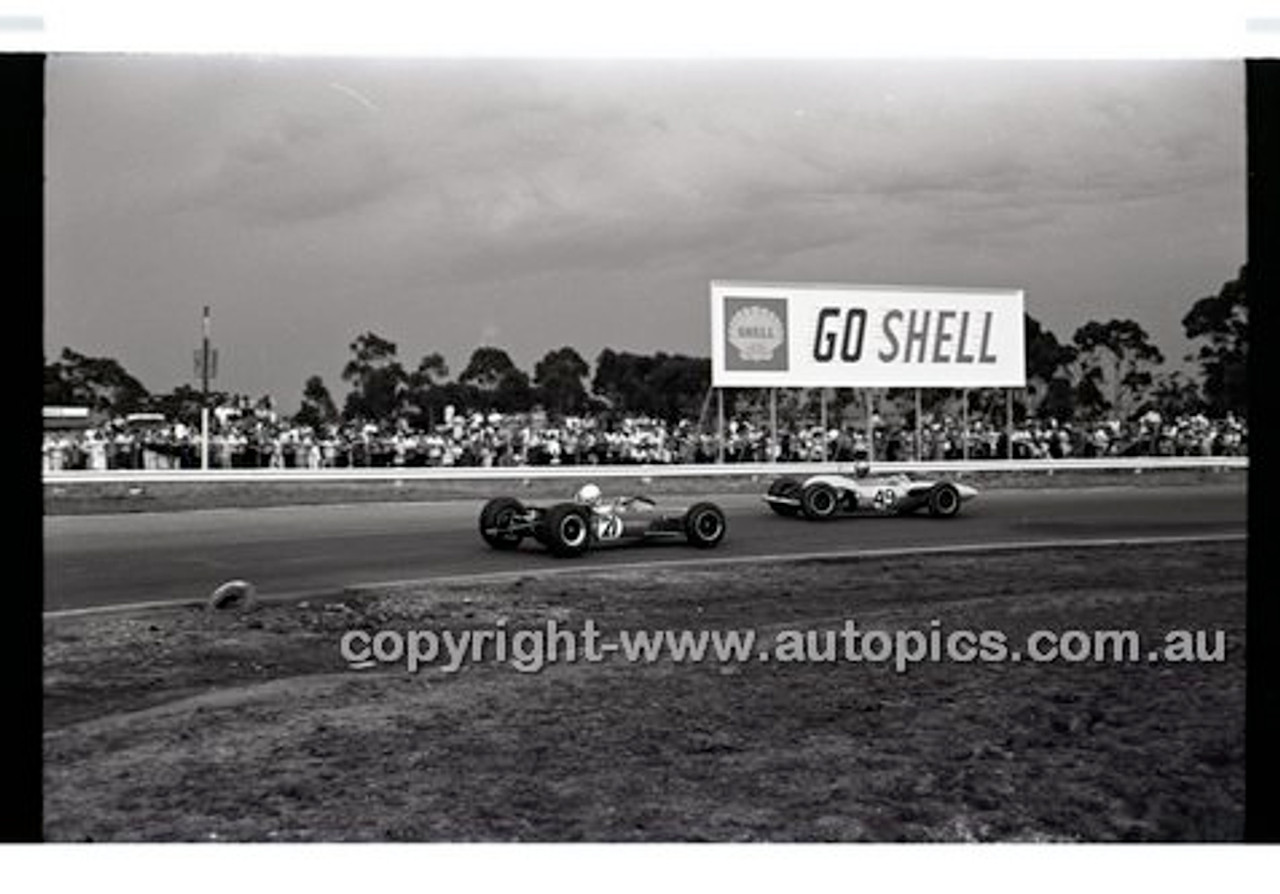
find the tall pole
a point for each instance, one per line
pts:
(773, 424)
(964, 424)
(204, 392)
(720, 425)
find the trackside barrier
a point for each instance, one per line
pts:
(728, 470)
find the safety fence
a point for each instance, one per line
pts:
(726, 470)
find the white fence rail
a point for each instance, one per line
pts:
(507, 473)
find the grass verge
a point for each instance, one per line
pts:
(189, 725)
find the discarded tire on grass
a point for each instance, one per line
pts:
(234, 594)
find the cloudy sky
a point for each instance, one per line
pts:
(531, 204)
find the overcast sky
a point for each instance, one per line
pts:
(534, 204)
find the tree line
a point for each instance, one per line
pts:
(383, 389)
(1106, 368)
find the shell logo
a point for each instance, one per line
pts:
(756, 332)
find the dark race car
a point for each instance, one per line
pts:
(571, 528)
(822, 497)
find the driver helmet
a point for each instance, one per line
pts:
(861, 469)
(587, 495)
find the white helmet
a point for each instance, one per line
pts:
(588, 495)
(861, 468)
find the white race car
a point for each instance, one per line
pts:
(822, 497)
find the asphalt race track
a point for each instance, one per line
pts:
(111, 560)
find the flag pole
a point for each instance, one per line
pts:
(204, 392)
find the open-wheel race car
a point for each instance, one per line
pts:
(822, 497)
(571, 528)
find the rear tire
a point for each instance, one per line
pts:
(704, 525)
(568, 531)
(495, 517)
(789, 488)
(819, 501)
(944, 502)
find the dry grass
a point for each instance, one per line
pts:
(192, 726)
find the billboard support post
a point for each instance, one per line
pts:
(720, 425)
(822, 420)
(964, 424)
(869, 400)
(1008, 422)
(773, 425)
(919, 429)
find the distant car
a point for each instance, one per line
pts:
(822, 497)
(571, 528)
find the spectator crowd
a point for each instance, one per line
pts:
(261, 439)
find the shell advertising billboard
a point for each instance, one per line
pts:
(805, 335)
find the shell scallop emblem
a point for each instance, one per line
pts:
(756, 332)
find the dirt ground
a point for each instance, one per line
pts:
(87, 499)
(189, 724)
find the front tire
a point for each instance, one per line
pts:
(568, 530)
(819, 501)
(944, 502)
(789, 488)
(495, 521)
(704, 525)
